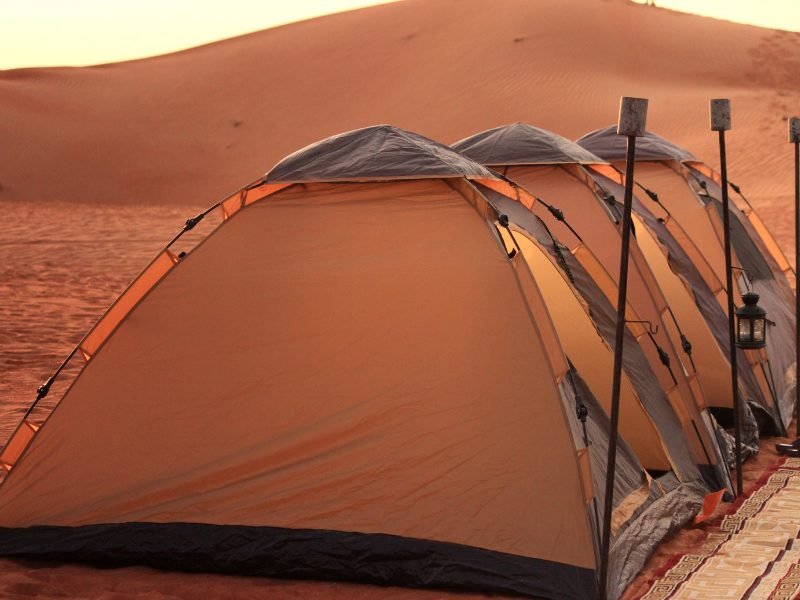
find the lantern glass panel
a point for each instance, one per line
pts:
(758, 330)
(744, 330)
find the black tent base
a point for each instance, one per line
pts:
(377, 559)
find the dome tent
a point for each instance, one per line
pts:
(690, 196)
(351, 365)
(566, 197)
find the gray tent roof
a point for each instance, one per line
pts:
(378, 152)
(522, 144)
(610, 146)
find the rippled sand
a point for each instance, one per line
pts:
(60, 267)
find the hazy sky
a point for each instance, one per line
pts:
(777, 14)
(83, 32)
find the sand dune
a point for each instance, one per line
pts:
(191, 126)
(84, 148)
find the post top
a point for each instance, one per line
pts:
(720, 111)
(632, 116)
(794, 130)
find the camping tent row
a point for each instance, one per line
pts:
(688, 203)
(390, 364)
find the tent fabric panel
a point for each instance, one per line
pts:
(359, 381)
(713, 367)
(508, 190)
(302, 554)
(609, 172)
(778, 300)
(608, 286)
(542, 320)
(593, 223)
(629, 474)
(371, 153)
(17, 444)
(603, 315)
(668, 337)
(776, 296)
(233, 204)
(593, 358)
(262, 191)
(522, 144)
(609, 146)
(772, 246)
(694, 255)
(680, 396)
(123, 305)
(780, 349)
(761, 234)
(584, 462)
(662, 515)
(685, 208)
(747, 252)
(755, 226)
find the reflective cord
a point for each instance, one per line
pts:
(654, 197)
(557, 213)
(663, 355)
(738, 190)
(559, 254)
(44, 389)
(559, 216)
(582, 412)
(686, 345)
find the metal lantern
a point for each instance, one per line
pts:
(751, 323)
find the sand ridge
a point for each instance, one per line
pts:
(191, 126)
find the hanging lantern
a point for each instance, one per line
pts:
(751, 323)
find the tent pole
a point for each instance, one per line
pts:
(720, 112)
(631, 123)
(794, 138)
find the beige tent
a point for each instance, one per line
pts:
(689, 199)
(581, 214)
(353, 377)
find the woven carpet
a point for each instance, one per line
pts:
(752, 553)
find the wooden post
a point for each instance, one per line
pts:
(632, 120)
(794, 138)
(720, 110)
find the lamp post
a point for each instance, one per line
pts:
(794, 138)
(631, 123)
(720, 110)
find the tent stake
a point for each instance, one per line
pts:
(720, 112)
(631, 123)
(794, 138)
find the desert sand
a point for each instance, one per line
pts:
(100, 166)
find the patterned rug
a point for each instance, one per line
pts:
(753, 553)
